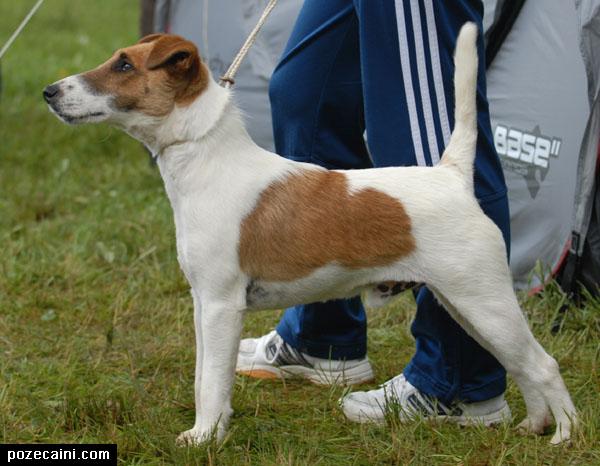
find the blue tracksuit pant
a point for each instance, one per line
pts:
(385, 67)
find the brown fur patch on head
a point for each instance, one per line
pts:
(166, 70)
(311, 219)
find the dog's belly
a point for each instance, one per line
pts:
(265, 295)
(330, 282)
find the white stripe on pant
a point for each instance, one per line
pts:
(426, 99)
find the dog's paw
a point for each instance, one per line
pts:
(196, 437)
(533, 426)
(561, 436)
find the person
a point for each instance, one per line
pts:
(381, 71)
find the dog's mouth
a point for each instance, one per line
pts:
(82, 118)
(76, 119)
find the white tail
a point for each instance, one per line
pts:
(460, 152)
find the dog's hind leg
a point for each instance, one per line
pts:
(485, 305)
(538, 412)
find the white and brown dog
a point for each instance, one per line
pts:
(258, 231)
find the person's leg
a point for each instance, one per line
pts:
(316, 102)
(407, 71)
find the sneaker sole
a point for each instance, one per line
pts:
(353, 376)
(501, 416)
(498, 417)
(258, 374)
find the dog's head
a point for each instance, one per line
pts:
(146, 80)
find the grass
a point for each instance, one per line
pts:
(96, 319)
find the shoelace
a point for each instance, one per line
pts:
(417, 402)
(278, 352)
(273, 347)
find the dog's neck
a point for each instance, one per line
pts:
(196, 144)
(192, 123)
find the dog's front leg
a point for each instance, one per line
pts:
(189, 434)
(219, 331)
(199, 353)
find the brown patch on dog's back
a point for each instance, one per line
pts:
(311, 219)
(166, 71)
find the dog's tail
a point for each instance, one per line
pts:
(460, 153)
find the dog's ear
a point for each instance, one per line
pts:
(176, 54)
(150, 38)
(179, 57)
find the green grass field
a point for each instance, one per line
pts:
(96, 338)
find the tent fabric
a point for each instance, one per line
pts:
(589, 270)
(498, 24)
(543, 89)
(219, 27)
(583, 263)
(537, 90)
(589, 20)
(491, 13)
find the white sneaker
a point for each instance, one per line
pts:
(399, 395)
(269, 357)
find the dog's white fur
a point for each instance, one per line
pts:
(214, 175)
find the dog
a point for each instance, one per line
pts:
(257, 231)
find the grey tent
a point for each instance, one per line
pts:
(543, 88)
(219, 27)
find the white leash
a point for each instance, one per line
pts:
(227, 79)
(20, 28)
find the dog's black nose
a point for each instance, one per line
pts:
(51, 92)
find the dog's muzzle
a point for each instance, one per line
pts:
(52, 93)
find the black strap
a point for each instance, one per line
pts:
(571, 267)
(501, 28)
(568, 281)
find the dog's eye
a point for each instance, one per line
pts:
(122, 65)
